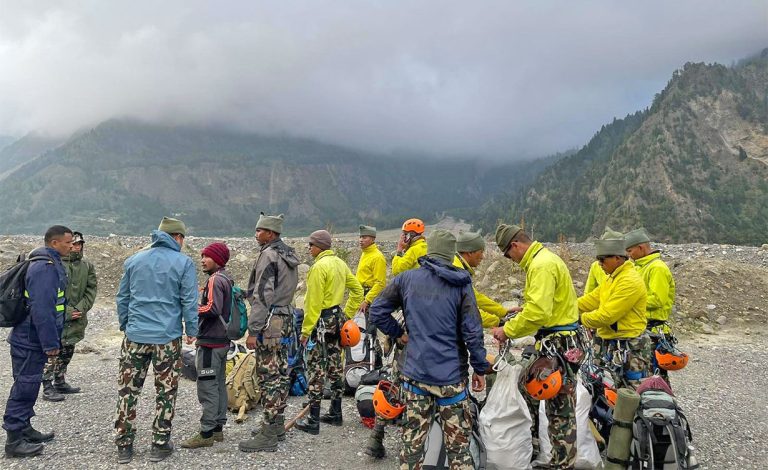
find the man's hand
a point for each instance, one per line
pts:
(364, 306)
(403, 339)
(76, 314)
(191, 339)
(402, 245)
(304, 340)
(251, 341)
(514, 309)
(498, 334)
(478, 382)
(52, 353)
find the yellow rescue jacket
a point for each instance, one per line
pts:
(410, 259)
(595, 278)
(327, 280)
(490, 311)
(617, 307)
(550, 299)
(660, 285)
(372, 272)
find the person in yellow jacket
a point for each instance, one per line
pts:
(550, 313)
(659, 283)
(596, 274)
(327, 280)
(471, 250)
(372, 267)
(410, 247)
(617, 310)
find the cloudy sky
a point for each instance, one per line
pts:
(500, 78)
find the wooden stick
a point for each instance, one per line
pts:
(241, 414)
(301, 414)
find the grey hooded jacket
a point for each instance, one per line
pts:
(272, 283)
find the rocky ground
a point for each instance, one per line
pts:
(720, 315)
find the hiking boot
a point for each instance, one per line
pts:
(34, 436)
(375, 445)
(65, 388)
(50, 393)
(160, 452)
(310, 424)
(125, 454)
(17, 446)
(334, 413)
(264, 441)
(279, 419)
(218, 436)
(197, 441)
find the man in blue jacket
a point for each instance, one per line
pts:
(442, 328)
(157, 292)
(35, 339)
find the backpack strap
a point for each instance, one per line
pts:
(623, 463)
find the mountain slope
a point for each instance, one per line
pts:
(693, 167)
(123, 176)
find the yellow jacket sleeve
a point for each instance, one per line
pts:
(313, 300)
(658, 289)
(355, 294)
(410, 258)
(591, 300)
(484, 303)
(623, 297)
(539, 299)
(594, 277)
(379, 268)
(488, 320)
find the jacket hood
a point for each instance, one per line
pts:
(162, 239)
(287, 253)
(448, 273)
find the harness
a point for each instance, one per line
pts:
(442, 401)
(616, 357)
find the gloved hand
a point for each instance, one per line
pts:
(273, 333)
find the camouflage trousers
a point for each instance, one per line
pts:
(561, 414)
(628, 360)
(455, 420)
(324, 361)
(56, 367)
(134, 363)
(271, 373)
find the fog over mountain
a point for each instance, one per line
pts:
(496, 79)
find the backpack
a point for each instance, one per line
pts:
(435, 456)
(13, 304)
(243, 392)
(661, 436)
(297, 376)
(238, 313)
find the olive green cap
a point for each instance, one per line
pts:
(270, 222)
(170, 225)
(467, 242)
(636, 237)
(611, 247)
(611, 234)
(441, 244)
(504, 235)
(367, 231)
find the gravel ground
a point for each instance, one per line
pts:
(720, 392)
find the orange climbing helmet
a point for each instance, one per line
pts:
(544, 379)
(611, 396)
(413, 225)
(671, 360)
(350, 334)
(386, 400)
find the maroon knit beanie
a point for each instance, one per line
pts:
(218, 252)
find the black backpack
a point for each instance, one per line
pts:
(13, 304)
(661, 435)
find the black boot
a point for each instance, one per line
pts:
(65, 388)
(375, 445)
(50, 393)
(334, 413)
(160, 452)
(17, 446)
(35, 436)
(311, 423)
(125, 454)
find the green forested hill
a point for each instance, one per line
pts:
(693, 167)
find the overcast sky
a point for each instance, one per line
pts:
(501, 78)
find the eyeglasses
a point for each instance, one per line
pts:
(601, 259)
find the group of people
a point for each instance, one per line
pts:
(430, 310)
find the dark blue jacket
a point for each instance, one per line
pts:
(441, 319)
(45, 282)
